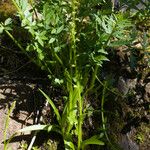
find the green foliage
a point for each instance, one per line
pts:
(70, 43)
(139, 138)
(93, 140)
(138, 9)
(5, 26)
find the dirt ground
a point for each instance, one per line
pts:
(21, 115)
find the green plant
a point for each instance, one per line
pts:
(139, 138)
(24, 146)
(71, 44)
(139, 10)
(6, 142)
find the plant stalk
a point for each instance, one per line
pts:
(80, 119)
(102, 112)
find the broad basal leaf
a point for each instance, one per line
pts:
(53, 106)
(93, 140)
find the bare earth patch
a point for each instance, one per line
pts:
(21, 115)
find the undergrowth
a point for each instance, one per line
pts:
(70, 40)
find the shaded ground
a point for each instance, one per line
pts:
(22, 114)
(130, 122)
(29, 102)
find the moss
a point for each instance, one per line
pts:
(115, 128)
(139, 138)
(142, 135)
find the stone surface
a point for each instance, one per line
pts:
(128, 144)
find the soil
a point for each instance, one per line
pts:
(22, 113)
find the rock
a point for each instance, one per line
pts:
(127, 143)
(122, 86)
(147, 88)
(147, 92)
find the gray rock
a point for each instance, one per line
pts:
(122, 86)
(127, 143)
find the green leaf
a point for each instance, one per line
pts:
(24, 4)
(40, 40)
(98, 19)
(8, 21)
(58, 81)
(53, 106)
(57, 49)
(54, 31)
(8, 28)
(36, 47)
(68, 145)
(102, 51)
(72, 117)
(51, 40)
(47, 14)
(101, 58)
(38, 127)
(1, 29)
(94, 140)
(60, 29)
(34, 128)
(120, 43)
(45, 9)
(41, 56)
(30, 48)
(104, 26)
(43, 35)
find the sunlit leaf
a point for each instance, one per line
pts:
(60, 29)
(69, 145)
(34, 128)
(102, 51)
(101, 58)
(54, 31)
(57, 49)
(51, 40)
(40, 40)
(41, 56)
(8, 21)
(39, 127)
(8, 28)
(1, 29)
(58, 81)
(94, 140)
